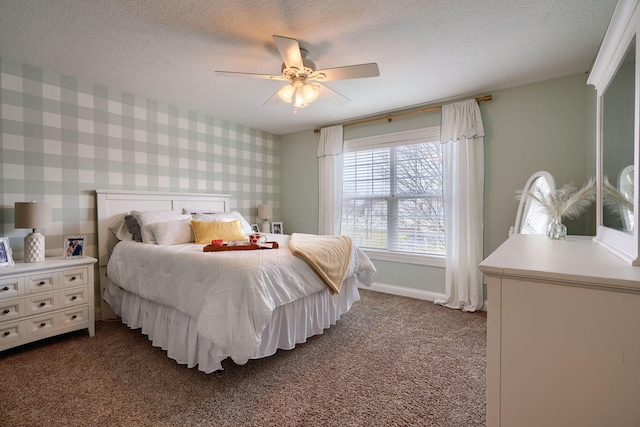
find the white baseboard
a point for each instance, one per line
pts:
(408, 292)
(403, 291)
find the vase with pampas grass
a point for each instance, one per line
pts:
(568, 202)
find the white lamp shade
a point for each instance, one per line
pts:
(310, 93)
(299, 98)
(265, 212)
(286, 93)
(32, 215)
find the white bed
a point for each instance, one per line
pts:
(288, 302)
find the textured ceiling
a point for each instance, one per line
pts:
(427, 50)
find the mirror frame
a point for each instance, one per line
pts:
(525, 201)
(622, 29)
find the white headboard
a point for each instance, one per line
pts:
(113, 203)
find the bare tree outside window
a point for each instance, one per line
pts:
(392, 198)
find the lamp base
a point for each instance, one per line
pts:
(34, 247)
(266, 227)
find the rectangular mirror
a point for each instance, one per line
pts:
(617, 146)
(615, 75)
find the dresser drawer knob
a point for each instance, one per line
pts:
(6, 288)
(73, 298)
(6, 333)
(42, 304)
(41, 283)
(74, 317)
(6, 311)
(72, 278)
(43, 324)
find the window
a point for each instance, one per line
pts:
(392, 192)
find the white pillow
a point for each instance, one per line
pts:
(225, 217)
(173, 232)
(119, 228)
(146, 218)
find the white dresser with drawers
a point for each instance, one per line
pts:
(43, 299)
(563, 347)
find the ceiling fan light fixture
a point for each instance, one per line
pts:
(310, 93)
(300, 101)
(305, 80)
(286, 93)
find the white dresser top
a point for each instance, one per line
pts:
(577, 261)
(49, 262)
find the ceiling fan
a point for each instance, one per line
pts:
(304, 80)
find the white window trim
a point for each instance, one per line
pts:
(406, 258)
(415, 136)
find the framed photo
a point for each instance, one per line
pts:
(277, 228)
(74, 246)
(254, 228)
(6, 257)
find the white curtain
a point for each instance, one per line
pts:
(330, 180)
(462, 134)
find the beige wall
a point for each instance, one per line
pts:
(541, 126)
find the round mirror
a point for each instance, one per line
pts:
(532, 217)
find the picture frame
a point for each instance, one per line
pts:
(74, 246)
(254, 228)
(277, 228)
(6, 256)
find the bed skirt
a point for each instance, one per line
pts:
(177, 333)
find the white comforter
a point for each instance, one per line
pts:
(231, 294)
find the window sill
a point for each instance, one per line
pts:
(429, 260)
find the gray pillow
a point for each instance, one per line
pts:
(134, 227)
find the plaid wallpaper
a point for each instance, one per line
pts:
(62, 138)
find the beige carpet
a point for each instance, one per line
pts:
(390, 361)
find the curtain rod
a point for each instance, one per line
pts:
(389, 117)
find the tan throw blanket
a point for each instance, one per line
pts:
(328, 256)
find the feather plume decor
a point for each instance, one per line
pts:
(567, 202)
(614, 200)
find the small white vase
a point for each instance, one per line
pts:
(556, 229)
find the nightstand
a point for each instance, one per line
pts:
(43, 299)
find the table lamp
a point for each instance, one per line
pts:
(265, 212)
(33, 215)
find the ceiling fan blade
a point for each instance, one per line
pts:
(274, 99)
(289, 51)
(250, 75)
(349, 72)
(328, 94)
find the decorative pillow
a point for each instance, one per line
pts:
(133, 227)
(146, 218)
(206, 231)
(225, 217)
(119, 228)
(172, 232)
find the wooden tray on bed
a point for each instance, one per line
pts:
(211, 248)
